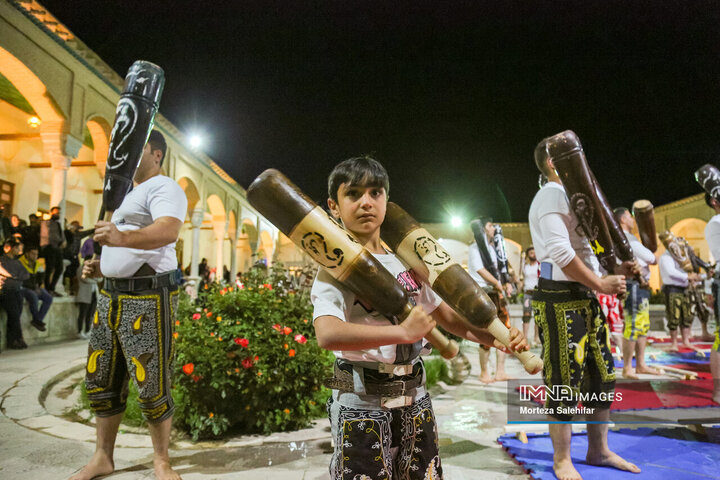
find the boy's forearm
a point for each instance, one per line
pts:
(334, 334)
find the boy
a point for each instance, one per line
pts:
(380, 413)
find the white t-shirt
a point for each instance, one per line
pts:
(329, 297)
(159, 196)
(712, 236)
(671, 273)
(556, 233)
(531, 273)
(643, 255)
(475, 263)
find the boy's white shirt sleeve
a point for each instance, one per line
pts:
(429, 300)
(327, 298)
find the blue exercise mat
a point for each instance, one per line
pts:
(661, 454)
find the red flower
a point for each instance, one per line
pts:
(196, 316)
(267, 285)
(291, 353)
(188, 368)
(277, 327)
(247, 363)
(257, 358)
(196, 378)
(300, 338)
(209, 314)
(243, 342)
(287, 330)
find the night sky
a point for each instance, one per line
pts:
(451, 97)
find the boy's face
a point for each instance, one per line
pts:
(361, 208)
(490, 229)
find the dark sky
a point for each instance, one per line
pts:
(450, 96)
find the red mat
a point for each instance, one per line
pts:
(701, 369)
(664, 394)
(653, 394)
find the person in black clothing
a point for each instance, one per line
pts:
(12, 274)
(71, 253)
(53, 242)
(31, 233)
(5, 225)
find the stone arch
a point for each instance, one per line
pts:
(514, 251)
(247, 241)
(191, 192)
(99, 129)
(266, 246)
(218, 218)
(693, 230)
(33, 89)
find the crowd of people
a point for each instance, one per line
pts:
(38, 257)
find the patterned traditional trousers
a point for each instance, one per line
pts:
(636, 311)
(576, 349)
(677, 307)
(132, 335)
(375, 443)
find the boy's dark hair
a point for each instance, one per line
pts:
(157, 142)
(364, 171)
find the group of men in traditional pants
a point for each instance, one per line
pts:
(132, 333)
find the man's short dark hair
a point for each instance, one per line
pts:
(55, 208)
(32, 217)
(362, 171)
(541, 155)
(157, 142)
(11, 242)
(619, 212)
(527, 250)
(708, 200)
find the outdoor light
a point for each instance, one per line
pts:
(196, 141)
(455, 221)
(33, 122)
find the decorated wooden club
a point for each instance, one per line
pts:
(434, 265)
(335, 249)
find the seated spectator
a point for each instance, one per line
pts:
(86, 299)
(31, 290)
(12, 274)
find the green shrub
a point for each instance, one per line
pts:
(247, 359)
(435, 370)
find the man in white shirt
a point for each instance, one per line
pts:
(132, 334)
(712, 237)
(637, 302)
(677, 308)
(573, 331)
(481, 273)
(528, 283)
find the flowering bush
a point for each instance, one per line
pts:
(247, 359)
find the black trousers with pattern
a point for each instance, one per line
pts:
(132, 335)
(389, 444)
(575, 341)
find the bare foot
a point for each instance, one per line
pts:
(98, 466)
(716, 397)
(501, 377)
(673, 348)
(649, 370)
(629, 373)
(163, 471)
(565, 470)
(611, 459)
(707, 337)
(485, 378)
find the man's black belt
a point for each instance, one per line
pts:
(137, 284)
